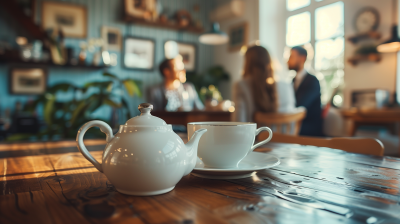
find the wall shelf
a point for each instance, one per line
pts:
(364, 36)
(48, 64)
(166, 25)
(359, 58)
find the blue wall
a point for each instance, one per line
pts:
(108, 13)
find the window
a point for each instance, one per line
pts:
(328, 42)
(298, 29)
(296, 4)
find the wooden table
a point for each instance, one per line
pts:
(54, 183)
(359, 117)
(193, 116)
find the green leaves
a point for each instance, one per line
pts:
(64, 116)
(132, 88)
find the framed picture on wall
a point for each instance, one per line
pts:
(141, 9)
(27, 81)
(238, 36)
(70, 18)
(139, 53)
(188, 52)
(112, 38)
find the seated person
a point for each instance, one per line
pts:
(174, 94)
(258, 91)
(307, 92)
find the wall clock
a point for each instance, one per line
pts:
(366, 20)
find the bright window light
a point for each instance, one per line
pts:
(329, 54)
(296, 4)
(329, 21)
(298, 29)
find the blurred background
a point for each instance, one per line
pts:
(63, 63)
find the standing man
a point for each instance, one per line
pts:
(307, 92)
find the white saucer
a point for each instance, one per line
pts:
(253, 162)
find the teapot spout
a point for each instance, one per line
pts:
(191, 147)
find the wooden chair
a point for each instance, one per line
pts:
(369, 146)
(280, 120)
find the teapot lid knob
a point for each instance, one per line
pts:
(145, 118)
(144, 107)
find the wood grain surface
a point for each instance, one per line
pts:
(311, 185)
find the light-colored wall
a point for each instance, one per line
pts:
(272, 16)
(233, 61)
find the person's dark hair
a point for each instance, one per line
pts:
(300, 50)
(166, 64)
(258, 68)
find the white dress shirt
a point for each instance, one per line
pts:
(299, 78)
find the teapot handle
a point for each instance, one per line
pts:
(105, 128)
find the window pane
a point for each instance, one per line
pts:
(329, 21)
(298, 29)
(296, 4)
(329, 54)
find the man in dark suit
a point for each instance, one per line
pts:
(307, 92)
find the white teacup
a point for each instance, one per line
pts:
(225, 144)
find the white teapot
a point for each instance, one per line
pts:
(145, 157)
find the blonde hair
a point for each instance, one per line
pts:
(258, 68)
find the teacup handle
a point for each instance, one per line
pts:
(105, 128)
(264, 141)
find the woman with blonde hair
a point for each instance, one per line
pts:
(258, 90)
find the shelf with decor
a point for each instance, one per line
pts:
(48, 64)
(364, 36)
(163, 25)
(369, 57)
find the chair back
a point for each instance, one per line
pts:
(368, 146)
(289, 123)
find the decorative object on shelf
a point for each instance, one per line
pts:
(186, 50)
(70, 18)
(142, 9)
(365, 53)
(112, 38)
(238, 36)
(27, 80)
(214, 37)
(82, 53)
(183, 18)
(139, 53)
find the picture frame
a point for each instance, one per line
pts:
(139, 53)
(27, 80)
(71, 18)
(112, 38)
(141, 9)
(188, 51)
(238, 36)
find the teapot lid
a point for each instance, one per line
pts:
(145, 118)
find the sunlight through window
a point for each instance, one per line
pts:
(296, 4)
(298, 29)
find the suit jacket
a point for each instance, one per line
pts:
(308, 95)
